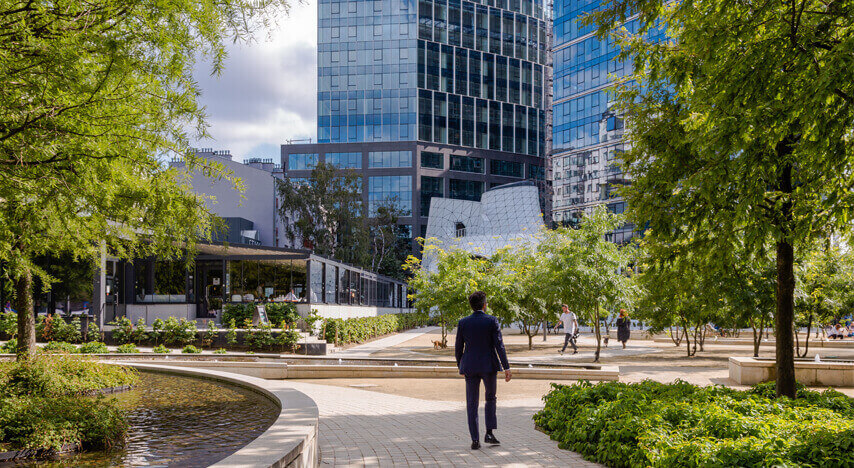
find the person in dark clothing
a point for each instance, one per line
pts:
(479, 350)
(623, 327)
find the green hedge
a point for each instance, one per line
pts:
(682, 425)
(357, 330)
(277, 312)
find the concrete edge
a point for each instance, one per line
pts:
(292, 439)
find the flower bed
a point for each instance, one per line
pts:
(682, 425)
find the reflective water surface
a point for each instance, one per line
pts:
(179, 421)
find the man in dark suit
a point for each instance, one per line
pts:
(480, 355)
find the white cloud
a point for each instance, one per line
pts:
(268, 91)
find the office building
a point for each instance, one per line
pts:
(587, 136)
(435, 98)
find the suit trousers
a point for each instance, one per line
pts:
(472, 403)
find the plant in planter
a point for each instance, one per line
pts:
(123, 330)
(161, 349)
(139, 335)
(210, 335)
(220, 351)
(93, 347)
(231, 335)
(157, 331)
(190, 349)
(288, 339)
(59, 347)
(127, 348)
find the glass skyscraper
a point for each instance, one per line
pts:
(443, 71)
(587, 134)
(429, 98)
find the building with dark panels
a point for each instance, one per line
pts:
(414, 172)
(587, 137)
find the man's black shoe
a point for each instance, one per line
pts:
(490, 439)
(475, 445)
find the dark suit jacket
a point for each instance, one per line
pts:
(479, 348)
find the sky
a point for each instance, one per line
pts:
(267, 93)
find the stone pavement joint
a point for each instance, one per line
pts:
(359, 428)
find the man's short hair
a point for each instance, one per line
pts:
(564, 305)
(477, 300)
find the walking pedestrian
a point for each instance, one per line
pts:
(570, 327)
(623, 327)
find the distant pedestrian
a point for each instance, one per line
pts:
(623, 328)
(570, 328)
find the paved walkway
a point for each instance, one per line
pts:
(361, 428)
(365, 350)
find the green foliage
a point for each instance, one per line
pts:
(161, 349)
(288, 339)
(157, 328)
(220, 351)
(210, 334)
(9, 347)
(359, 329)
(231, 334)
(93, 347)
(54, 328)
(127, 348)
(94, 332)
(139, 335)
(179, 332)
(282, 312)
(59, 347)
(8, 324)
(190, 349)
(43, 408)
(123, 331)
(261, 337)
(237, 313)
(682, 425)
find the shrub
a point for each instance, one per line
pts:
(231, 335)
(9, 324)
(261, 337)
(9, 347)
(59, 347)
(42, 406)
(282, 312)
(93, 347)
(190, 349)
(220, 351)
(94, 333)
(123, 330)
(359, 329)
(157, 330)
(210, 334)
(127, 348)
(54, 328)
(181, 332)
(682, 425)
(139, 335)
(288, 339)
(238, 313)
(161, 349)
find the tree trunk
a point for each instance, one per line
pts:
(806, 339)
(26, 319)
(530, 341)
(598, 333)
(784, 318)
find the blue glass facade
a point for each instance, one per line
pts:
(441, 71)
(587, 134)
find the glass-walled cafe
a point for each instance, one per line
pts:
(153, 288)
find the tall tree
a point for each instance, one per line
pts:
(92, 95)
(740, 125)
(586, 271)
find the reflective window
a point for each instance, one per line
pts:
(379, 159)
(465, 189)
(345, 160)
(432, 160)
(467, 164)
(506, 168)
(302, 161)
(390, 189)
(430, 187)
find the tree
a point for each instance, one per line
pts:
(329, 217)
(823, 280)
(92, 95)
(328, 213)
(444, 293)
(586, 271)
(740, 126)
